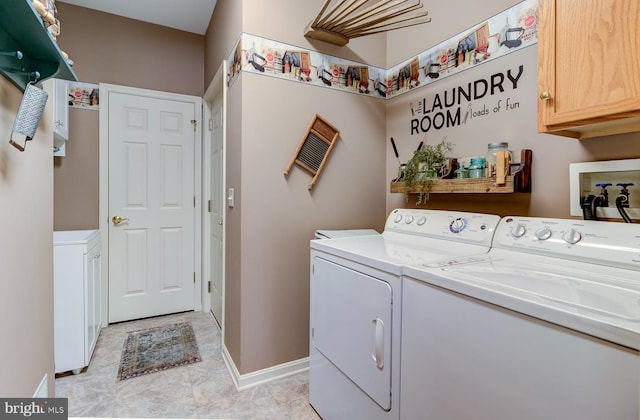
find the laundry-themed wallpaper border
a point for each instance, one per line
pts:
(508, 31)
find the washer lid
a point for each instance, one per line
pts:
(598, 300)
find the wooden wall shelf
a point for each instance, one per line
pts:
(519, 181)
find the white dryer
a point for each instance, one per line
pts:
(355, 306)
(546, 325)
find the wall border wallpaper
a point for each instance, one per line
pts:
(508, 31)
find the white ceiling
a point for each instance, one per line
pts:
(186, 15)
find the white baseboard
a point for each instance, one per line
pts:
(258, 377)
(43, 388)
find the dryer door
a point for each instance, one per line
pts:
(351, 326)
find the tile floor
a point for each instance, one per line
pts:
(200, 390)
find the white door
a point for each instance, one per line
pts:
(151, 188)
(217, 207)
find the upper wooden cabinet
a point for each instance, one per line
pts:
(588, 67)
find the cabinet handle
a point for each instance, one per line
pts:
(545, 96)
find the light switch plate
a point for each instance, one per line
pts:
(230, 197)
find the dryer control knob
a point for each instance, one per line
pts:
(408, 219)
(398, 218)
(543, 234)
(421, 220)
(518, 230)
(572, 237)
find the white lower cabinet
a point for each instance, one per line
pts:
(77, 297)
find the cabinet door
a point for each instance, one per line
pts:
(60, 116)
(68, 302)
(588, 55)
(92, 301)
(351, 326)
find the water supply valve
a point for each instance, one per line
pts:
(604, 194)
(624, 193)
(590, 202)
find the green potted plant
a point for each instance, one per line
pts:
(424, 166)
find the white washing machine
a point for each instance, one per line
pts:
(355, 307)
(546, 325)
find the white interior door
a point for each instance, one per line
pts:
(217, 207)
(151, 188)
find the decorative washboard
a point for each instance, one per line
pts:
(314, 148)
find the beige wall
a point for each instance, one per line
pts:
(222, 34)
(75, 183)
(111, 49)
(551, 154)
(279, 214)
(268, 230)
(26, 254)
(448, 18)
(233, 225)
(285, 21)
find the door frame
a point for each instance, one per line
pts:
(103, 212)
(217, 86)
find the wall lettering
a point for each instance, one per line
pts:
(445, 109)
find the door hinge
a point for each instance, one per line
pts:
(194, 276)
(194, 201)
(210, 124)
(209, 206)
(209, 286)
(195, 123)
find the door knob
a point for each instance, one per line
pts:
(220, 222)
(545, 96)
(117, 220)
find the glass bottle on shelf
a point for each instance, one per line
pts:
(476, 168)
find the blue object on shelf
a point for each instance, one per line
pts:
(477, 168)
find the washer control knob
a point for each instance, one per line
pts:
(572, 237)
(398, 218)
(518, 230)
(421, 220)
(543, 234)
(458, 225)
(408, 219)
